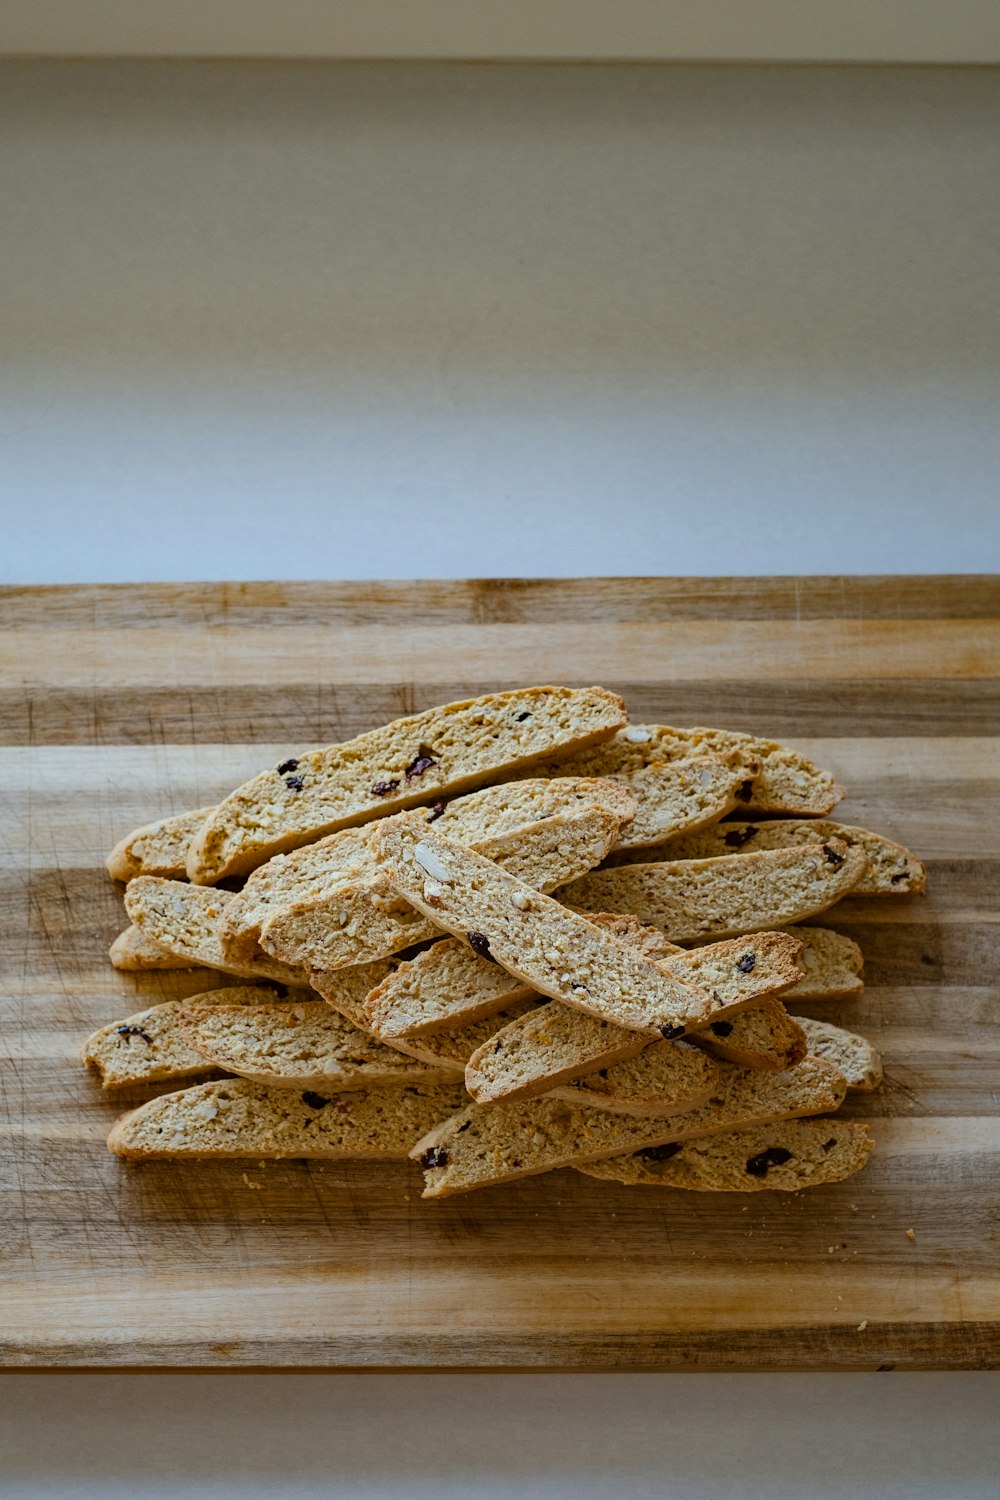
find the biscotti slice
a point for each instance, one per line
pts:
(555, 1044)
(449, 986)
(672, 795)
(779, 780)
(784, 1156)
(158, 848)
(429, 755)
(490, 1143)
(546, 1047)
(234, 1118)
(359, 923)
(183, 919)
(854, 1055)
(305, 1045)
(314, 873)
(892, 870)
(134, 952)
(552, 949)
(697, 898)
(149, 1046)
(831, 963)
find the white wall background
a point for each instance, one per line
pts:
(361, 320)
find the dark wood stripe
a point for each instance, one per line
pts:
(501, 601)
(317, 713)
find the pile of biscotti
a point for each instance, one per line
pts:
(501, 937)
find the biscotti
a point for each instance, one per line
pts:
(449, 985)
(183, 919)
(314, 873)
(542, 1049)
(149, 1046)
(553, 950)
(452, 1049)
(158, 848)
(698, 898)
(305, 1045)
(490, 1143)
(555, 1044)
(831, 963)
(359, 923)
(672, 796)
(135, 952)
(854, 1055)
(429, 755)
(782, 1156)
(234, 1118)
(892, 869)
(779, 780)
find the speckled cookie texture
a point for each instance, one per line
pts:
(429, 755)
(235, 1118)
(782, 1156)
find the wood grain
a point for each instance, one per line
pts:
(120, 704)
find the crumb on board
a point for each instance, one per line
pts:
(862, 1325)
(911, 1234)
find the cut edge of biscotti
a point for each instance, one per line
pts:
(233, 1118)
(134, 951)
(724, 897)
(148, 1047)
(158, 848)
(182, 919)
(452, 748)
(781, 1156)
(308, 882)
(857, 1058)
(893, 870)
(307, 1044)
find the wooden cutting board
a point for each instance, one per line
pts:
(122, 704)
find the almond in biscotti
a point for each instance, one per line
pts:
(418, 759)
